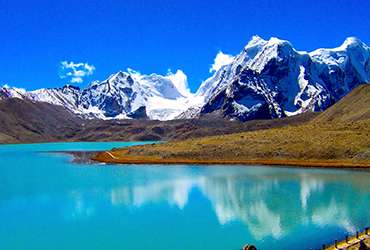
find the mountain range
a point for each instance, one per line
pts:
(268, 79)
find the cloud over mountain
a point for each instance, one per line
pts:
(221, 59)
(75, 72)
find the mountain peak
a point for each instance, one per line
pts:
(119, 74)
(277, 41)
(351, 42)
(69, 86)
(259, 41)
(11, 92)
(255, 41)
(269, 78)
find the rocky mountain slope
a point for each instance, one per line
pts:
(27, 121)
(268, 79)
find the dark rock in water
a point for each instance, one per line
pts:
(140, 113)
(249, 247)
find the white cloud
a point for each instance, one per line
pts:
(180, 80)
(75, 72)
(221, 59)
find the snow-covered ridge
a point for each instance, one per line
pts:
(268, 79)
(119, 96)
(11, 92)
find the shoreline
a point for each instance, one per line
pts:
(340, 145)
(110, 158)
(351, 242)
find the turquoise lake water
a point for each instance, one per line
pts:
(48, 202)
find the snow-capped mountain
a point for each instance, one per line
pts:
(125, 92)
(123, 95)
(67, 96)
(268, 79)
(11, 92)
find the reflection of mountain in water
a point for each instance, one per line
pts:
(245, 200)
(269, 203)
(272, 206)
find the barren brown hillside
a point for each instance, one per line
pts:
(338, 137)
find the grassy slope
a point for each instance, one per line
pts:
(332, 139)
(353, 107)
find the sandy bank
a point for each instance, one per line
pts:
(120, 158)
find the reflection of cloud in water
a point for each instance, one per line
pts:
(80, 209)
(308, 186)
(264, 222)
(335, 215)
(174, 192)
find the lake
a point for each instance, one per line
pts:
(48, 202)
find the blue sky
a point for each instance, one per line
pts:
(154, 36)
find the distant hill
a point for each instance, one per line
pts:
(24, 121)
(27, 121)
(353, 107)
